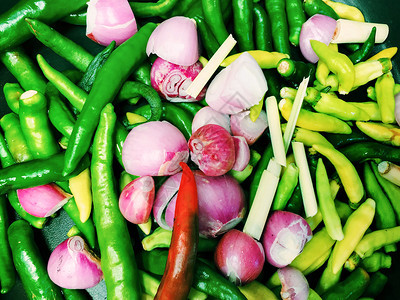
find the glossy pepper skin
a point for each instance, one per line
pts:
(13, 29)
(243, 23)
(117, 256)
(121, 63)
(276, 10)
(29, 264)
(178, 274)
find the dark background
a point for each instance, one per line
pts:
(384, 11)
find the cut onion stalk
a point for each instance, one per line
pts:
(349, 31)
(136, 200)
(294, 284)
(306, 185)
(242, 153)
(390, 172)
(201, 80)
(284, 237)
(73, 266)
(239, 257)
(275, 130)
(44, 200)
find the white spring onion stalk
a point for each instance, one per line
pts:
(348, 31)
(200, 81)
(298, 102)
(306, 185)
(275, 130)
(390, 172)
(258, 214)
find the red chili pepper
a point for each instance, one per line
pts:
(178, 276)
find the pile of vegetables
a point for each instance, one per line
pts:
(198, 150)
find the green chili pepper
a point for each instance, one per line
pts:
(12, 92)
(313, 7)
(377, 261)
(208, 40)
(213, 15)
(369, 150)
(117, 256)
(376, 285)
(241, 176)
(384, 87)
(76, 18)
(262, 29)
(37, 172)
(15, 139)
(286, 186)
(29, 264)
(243, 23)
(350, 288)
(75, 294)
(111, 77)
(385, 217)
(13, 29)
(295, 203)
(328, 278)
(276, 10)
(149, 9)
(365, 50)
(142, 73)
(338, 63)
(295, 71)
(296, 18)
(341, 140)
(64, 47)
(132, 89)
(35, 125)
(191, 107)
(7, 271)
(94, 66)
(23, 69)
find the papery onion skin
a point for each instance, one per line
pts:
(239, 257)
(207, 115)
(212, 149)
(318, 27)
(284, 237)
(73, 266)
(110, 20)
(221, 203)
(171, 80)
(294, 284)
(242, 125)
(397, 108)
(154, 149)
(136, 200)
(242, 153)
(42, 201)
(238, 87)
(175, 40)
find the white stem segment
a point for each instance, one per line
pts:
(202, 78)
(306, 185)
(274, 126)
(349, 31)
(263, 200)
(390, 172)
(298, 102)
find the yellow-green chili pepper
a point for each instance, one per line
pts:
(314, 121)
(318, 263)
(308, 137)
(255, 291)
(322, 71)
(332, 105)
(367, 71)
(385, 53)
(81, 187)
(386, 133)
(371, 108)
(371, 92)
(328, 277)
(376, 240)
(384, 87)
(338, 63)
(265, 59)
(354, 229)
(346, 11)
(347, 173)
